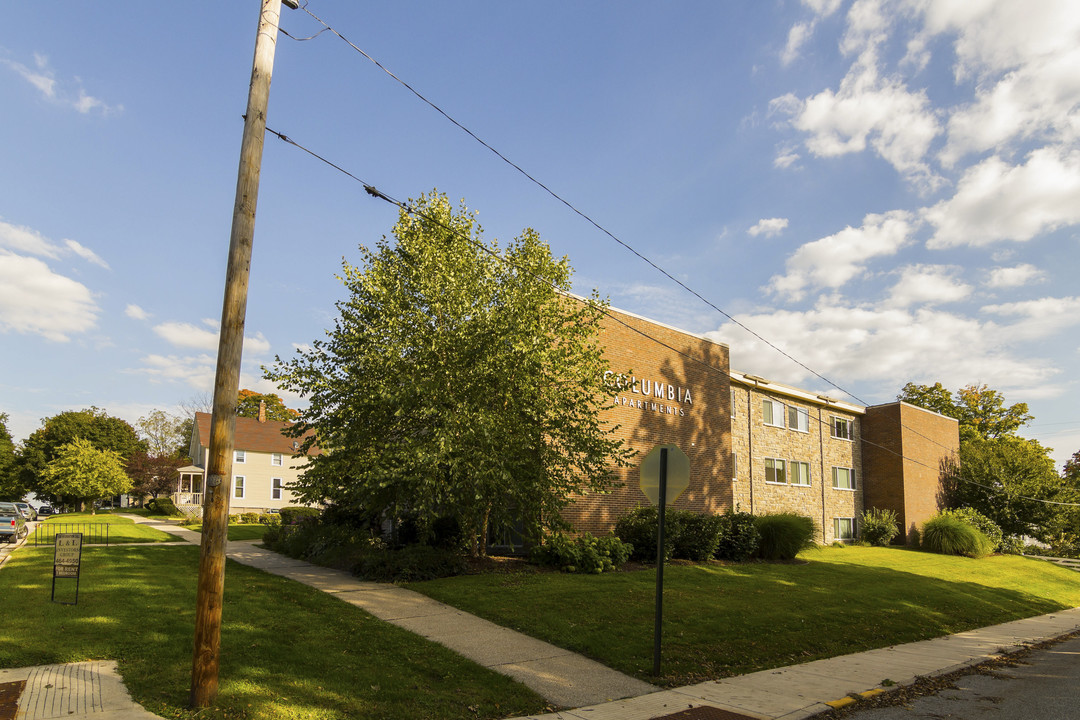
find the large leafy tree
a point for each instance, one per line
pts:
(978, 408)
(153, 475)
(81, 473)
(459, 380)
(247, 405)
(1010, 479)
(10, 487)
(93, 425)
(162, 432)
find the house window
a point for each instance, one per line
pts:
(275, 459)
(843, 478)
(275, 489)
(800, 473)
(775, 472)
(239, 456)
(843, 528)
(772, 413)
(238, 487)
(841, 428)
(798, 418)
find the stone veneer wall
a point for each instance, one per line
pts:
(753, 442)
(700, 426)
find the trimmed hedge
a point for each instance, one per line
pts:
(163, 506)
(739, 536)
(689, 535)
(292, 515)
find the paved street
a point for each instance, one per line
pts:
(1046, 686)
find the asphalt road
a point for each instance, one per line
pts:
(1044, 685)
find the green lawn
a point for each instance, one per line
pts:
(120, 530)
(287, 652)
(247, 531)
(727, 620)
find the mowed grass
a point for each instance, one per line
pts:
(723, 620)
(288, 651)
(120, 530)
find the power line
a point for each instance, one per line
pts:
(375, 192)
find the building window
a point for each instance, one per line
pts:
(275, 489)
(772, 413)
(843, 478)
(843, 528)
(734, 466)
(275, 459)
(733, 404)
(800, 473)
(841, 428)
(238, 487)
(775, 471)
(798, 418)
(239, 456)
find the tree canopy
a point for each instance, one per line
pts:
(247, 405)
(153, 474)
(162, 433)
(93, 425)
(977, 408)
(82, 473)
(10, 487)
(459, 381)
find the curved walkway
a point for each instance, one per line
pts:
(597, 692)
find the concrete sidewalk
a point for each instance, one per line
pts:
(599, 693)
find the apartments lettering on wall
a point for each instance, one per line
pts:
(658, 396)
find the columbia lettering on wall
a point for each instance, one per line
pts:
(653, 390)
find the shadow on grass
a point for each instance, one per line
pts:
(287, 650)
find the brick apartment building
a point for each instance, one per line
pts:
(758, 445)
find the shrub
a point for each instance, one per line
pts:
(408, 564)
(1011, 545)
(163, 506)
(980, 522)
(638, 528)
(698, 535)
(586, 554)
(784, 535)
(269, 519)
(687, 535)
(738, 538)
(234, 520)
(949, 535)
(879, 527)
(292, 515)
(249, 518)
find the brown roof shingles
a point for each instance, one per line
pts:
(255, 436)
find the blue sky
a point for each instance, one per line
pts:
(889, 190)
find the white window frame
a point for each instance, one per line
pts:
(847, 423)
(277, 485)
(275, 459)
(778, 466)
(239, 456)
(794, 474)
(776, 410)
(733, 403)
(836, 529)
(798, 419)
(239, 487)
(851, 479)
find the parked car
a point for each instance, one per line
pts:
(45, 510)
(27, 510)
(12, 523)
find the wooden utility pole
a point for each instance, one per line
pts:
(208, 602)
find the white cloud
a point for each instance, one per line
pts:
(769, 227)
(187, 335)
(36, 300)
(196, 371)
(885, 347)
(996, 201)
(183, 334)
(86, 253)
(1036, 319)
(1008, 277)
(136, 313)
(834, 260)
(823, 8)
(26, 240)
(44, 79)
(927, 285)
(797, 37)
